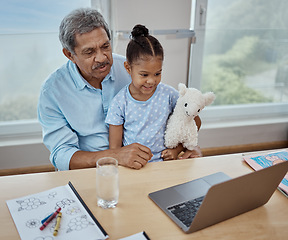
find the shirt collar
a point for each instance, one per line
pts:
(80, 82)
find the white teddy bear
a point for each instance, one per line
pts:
(181, 127)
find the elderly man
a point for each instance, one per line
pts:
(75, 98)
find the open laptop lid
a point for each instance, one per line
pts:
(239, 195)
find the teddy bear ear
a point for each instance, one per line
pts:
(209, 98)
(182, 89)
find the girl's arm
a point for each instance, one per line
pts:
(115, 136)
(198, 122)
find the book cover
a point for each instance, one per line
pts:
(266, 159)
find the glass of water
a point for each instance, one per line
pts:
(107, 182)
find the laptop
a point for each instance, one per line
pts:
(217, 197)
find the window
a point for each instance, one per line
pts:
(244, 56)
(30, 51)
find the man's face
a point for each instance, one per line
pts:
(93, 56)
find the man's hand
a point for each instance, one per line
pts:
(196, 152)
(134, 155)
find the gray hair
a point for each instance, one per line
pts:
(79, 21)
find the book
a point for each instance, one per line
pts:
(266, 159)
(77, 219)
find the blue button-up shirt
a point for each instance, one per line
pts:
(72, 112)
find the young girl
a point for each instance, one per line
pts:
(139, 112)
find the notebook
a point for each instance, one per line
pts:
(217, 197)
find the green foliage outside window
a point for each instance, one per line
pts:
(225, 73)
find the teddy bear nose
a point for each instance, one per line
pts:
(185, 105)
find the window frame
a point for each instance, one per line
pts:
(20, 132)
(225, 114)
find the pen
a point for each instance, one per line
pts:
(57, 224)
(50, 219)
(45, 219)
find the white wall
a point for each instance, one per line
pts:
(25, 155)
(158, 15)
(36, 154)
(243, 133)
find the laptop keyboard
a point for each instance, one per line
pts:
(186, 211)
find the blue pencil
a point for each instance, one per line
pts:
(50, 219)
(45, 219)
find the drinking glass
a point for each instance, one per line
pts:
(107, 182)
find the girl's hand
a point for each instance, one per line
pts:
(170, 154)
(196, 152)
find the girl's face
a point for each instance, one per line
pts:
(146, 75)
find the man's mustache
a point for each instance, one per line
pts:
(99, 65)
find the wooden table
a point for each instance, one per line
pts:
(136, 212)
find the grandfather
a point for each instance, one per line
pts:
(74, 99)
